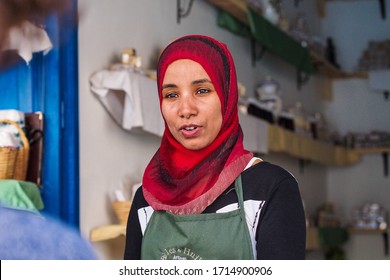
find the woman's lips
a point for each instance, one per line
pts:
(190, 131)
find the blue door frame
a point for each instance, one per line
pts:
(50, 84)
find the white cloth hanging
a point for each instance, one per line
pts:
(125, 108)
(27, 39)
(130, 98)
(153, 121)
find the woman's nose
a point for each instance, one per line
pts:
(187, 107)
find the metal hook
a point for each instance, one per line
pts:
(35, 135)
(181, 13)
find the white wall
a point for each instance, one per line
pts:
(352, 25)
(357, 108)
(108, 153)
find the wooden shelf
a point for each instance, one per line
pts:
(307, 148)
(325, 68)
(238, 9)
(107, 232)
(366, 231)
(374, 150)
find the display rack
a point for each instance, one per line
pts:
(306, 148)
(241, 12)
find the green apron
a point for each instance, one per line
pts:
(213, 236)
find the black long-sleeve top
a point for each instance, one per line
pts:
(273, 208)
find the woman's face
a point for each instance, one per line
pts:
(190, 104)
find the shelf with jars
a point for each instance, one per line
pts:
(306, 147)
(243, 18)
(374, 142)
(307, 137)
(291, 130)
(370, 218)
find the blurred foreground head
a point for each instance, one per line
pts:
(14, 12)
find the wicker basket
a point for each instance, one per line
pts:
(122, 209)
(14, 162)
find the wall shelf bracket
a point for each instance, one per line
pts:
(256, 54)
(382, 4)
(385, 156)
(386, 94)
(302, 164)
(302, 78)
(386, 242)
(181, 12)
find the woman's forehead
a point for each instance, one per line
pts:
(185, 65)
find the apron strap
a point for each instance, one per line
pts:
(240, 195)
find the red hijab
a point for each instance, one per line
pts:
(184, 181)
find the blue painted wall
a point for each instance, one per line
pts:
(50, 84)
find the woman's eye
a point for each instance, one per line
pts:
(170, 95)
(203, 91)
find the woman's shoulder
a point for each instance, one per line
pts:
(267, 170)
(139, 199)
(266, 176)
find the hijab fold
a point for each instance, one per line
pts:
(184, 181)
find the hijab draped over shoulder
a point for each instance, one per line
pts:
(183, 181)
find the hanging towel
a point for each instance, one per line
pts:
(27, 39)
(153, 121)
(119, 92)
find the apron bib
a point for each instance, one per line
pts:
(213, 236)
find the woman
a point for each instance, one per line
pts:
(203, 195)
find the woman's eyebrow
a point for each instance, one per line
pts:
(201, 81)
(169, 86)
